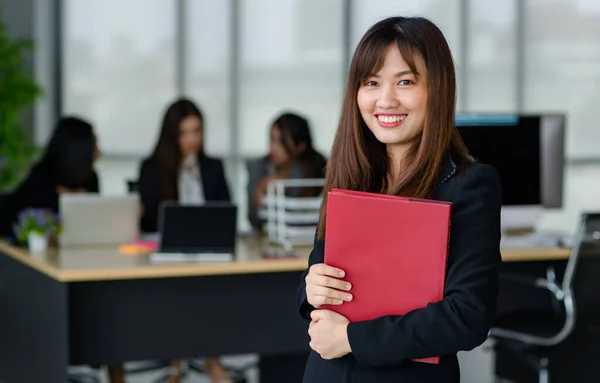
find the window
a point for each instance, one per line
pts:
(491, 74)
(291, 59)
(207, 63)
(562, 71)
(119, 69)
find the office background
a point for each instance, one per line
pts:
(119, 63)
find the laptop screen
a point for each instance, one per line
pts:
(198, 229)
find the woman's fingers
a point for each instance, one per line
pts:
(334, 283)
(323, 269)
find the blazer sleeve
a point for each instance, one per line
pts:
(460, 321)
(224, 194)
(317, 255)
(148, 191)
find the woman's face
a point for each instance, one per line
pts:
(277, 153)
(393, 101)
(190, 135)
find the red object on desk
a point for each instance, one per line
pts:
(393, 249)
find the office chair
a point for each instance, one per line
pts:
(576, 302)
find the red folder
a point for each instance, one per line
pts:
(393, 249)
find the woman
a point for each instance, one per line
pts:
(178, 170)
(291, 155)
(67, 166)
(396, 135)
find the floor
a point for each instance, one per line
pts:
(476, 367)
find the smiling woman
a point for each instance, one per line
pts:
(396, 135)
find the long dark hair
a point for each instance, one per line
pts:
(358, 160)
(69, 156)
(167, 152)
(295, 130)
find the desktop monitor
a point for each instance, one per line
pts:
(527, 151)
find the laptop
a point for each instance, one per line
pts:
(94, 219)
(196, 233)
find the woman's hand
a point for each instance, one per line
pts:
(261, 189)
(323, 286)
(329, 334)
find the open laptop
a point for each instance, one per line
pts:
(196, 233)
(94, 219)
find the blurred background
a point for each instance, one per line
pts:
(119, 63)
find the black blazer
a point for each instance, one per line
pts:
(382, 349)
(213, 182)
(36, 191)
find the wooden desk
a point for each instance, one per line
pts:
(106, 263)
(535, 254)
(97, 306)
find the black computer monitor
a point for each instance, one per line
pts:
(527, 151)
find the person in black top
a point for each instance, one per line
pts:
(67, 166)
(397, 136)
(178, 169)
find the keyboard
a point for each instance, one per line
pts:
(535, 240)
(194, 257)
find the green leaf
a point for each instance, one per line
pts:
(18, 92)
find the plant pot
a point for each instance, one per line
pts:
(37, 243)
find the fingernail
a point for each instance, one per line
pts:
(338, 302)
(348, 286)
(341, 273)
(349, 297)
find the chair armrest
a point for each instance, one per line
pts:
(548, 283)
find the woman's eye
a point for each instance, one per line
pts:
(405, 82)
(371, 83)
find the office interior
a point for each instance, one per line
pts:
(522, 65)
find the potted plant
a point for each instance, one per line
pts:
(37, 227)
(18, 91)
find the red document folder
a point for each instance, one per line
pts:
(393, 250)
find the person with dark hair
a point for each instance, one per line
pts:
(291, 155)
(396, 135)
(178, 170)
(67, 166)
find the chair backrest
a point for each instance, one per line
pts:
(133, 186)
(582, 275)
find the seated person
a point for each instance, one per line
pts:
(67, 166)
(179, 171)
(291, 155)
